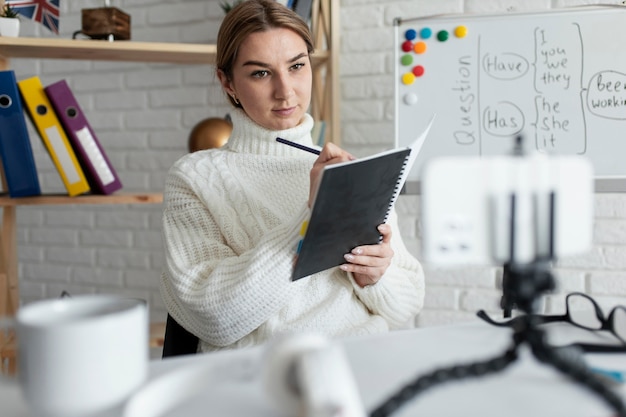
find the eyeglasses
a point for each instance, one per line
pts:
(584, 312)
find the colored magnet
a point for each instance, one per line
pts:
(443, 35)
(406, 59)
(408, 78)
(410, 99)
(420, 47)
(460, 31)
(407, 46)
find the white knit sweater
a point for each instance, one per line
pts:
(230, 229)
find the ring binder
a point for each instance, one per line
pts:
(101, 175)
(54, 138)
(15, 147)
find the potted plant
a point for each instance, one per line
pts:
(9, 21)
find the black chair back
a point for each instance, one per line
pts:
(178, 341)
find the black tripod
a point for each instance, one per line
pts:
(523, 285)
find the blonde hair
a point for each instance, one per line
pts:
(249, 17)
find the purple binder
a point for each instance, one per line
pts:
(100, 174)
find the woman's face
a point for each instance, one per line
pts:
(272, 78)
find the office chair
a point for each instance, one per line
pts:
(178, 341)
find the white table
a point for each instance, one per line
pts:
(382, 364)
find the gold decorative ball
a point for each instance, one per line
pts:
(209, 133)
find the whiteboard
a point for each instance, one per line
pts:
(556, 78)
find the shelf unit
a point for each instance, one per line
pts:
(324, 106)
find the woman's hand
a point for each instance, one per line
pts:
(368, 263)
(330, 154)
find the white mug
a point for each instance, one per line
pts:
(81, 355)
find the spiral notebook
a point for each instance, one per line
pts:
(352, 199)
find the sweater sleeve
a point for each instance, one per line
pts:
(219, 292)
(399, 295)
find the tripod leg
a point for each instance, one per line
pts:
(443, 375)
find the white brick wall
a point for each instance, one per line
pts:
(143, 113)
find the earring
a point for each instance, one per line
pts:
(235, 99)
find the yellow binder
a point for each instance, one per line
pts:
(49, 128)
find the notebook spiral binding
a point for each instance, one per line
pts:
(399, 186)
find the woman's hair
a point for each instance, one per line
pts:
(253, 16)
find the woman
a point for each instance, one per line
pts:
(232, 215)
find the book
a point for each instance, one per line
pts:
(15, 148)
(101, 175)
(49, 127)
(352, 199)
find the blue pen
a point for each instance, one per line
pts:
(297, 145)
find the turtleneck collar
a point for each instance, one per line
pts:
(249, 137)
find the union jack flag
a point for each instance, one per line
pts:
(45, 12)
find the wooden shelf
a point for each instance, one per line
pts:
(130, 51)
(52, 199)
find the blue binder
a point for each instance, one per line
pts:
(15, 148)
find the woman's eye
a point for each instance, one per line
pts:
(298, 66)
(260, 73)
